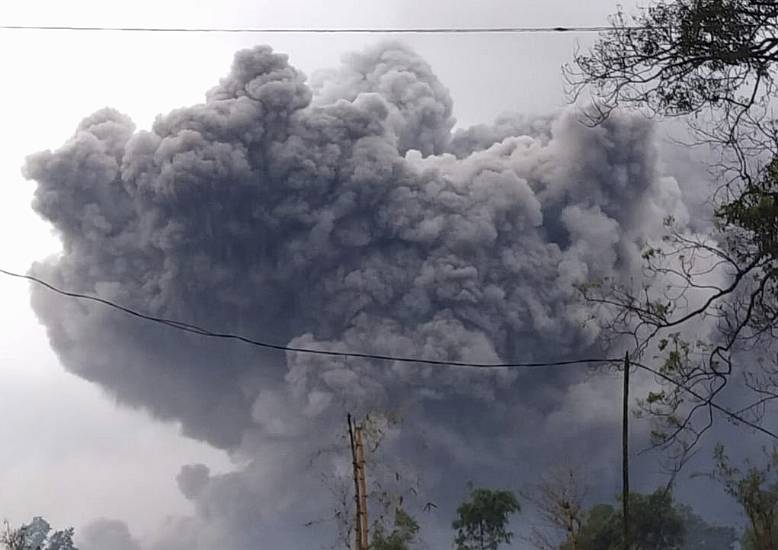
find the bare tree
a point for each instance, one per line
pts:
(13, 539)
(713, 63)
(392, 485)
(711, 59)
(558, 498)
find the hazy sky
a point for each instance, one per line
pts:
(69, 452)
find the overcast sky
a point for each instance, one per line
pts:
(70, 453)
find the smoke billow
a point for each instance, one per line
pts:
(341, 215)
(105, 534)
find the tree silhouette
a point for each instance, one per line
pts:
(712, 62)
(482, 519)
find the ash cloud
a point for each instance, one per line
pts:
(104, 534)
(342, 215)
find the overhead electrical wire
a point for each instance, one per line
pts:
(323, 30)
(726, 412)
(201, 331)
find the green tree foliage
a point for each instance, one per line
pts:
(37, 535)
(600, 530)
(754, 213)
(714, 63)
(655, 524)
(482, 519)
(402, 536)
(700, 535)
(755, 489)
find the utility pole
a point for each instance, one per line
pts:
(625, 455)
(355, 433)
(362, 482)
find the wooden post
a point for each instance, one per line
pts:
(625, 455)
(360, 485)
(357, 523)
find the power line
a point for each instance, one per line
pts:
(322, 30)
(201, 331)
(195, 329)
(725, 411)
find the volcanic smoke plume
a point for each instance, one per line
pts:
(343, 215)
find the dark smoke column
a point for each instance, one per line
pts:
(333, 216)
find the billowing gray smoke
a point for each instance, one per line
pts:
(105, 534)
(344, 216)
